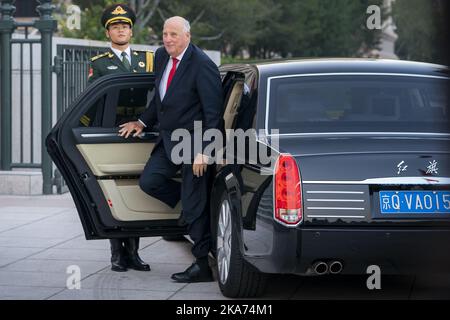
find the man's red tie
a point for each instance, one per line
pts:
(172, 72)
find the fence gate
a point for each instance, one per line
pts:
(16, 142)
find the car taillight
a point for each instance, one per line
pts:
(288, 191)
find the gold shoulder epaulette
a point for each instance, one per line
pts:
(149, 57)
(99, 56)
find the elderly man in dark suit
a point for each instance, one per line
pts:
(188, 89)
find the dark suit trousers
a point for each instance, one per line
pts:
(157, 181)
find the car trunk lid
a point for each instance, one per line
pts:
(343, 175)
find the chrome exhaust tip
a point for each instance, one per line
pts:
(335, 267)
(320, 268)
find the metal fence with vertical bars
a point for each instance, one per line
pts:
(25, 81)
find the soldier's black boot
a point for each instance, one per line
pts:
(118, 262)
(133, 259)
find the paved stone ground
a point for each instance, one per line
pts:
(41, 236)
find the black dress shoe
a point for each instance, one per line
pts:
(133, 260)
(195, 273)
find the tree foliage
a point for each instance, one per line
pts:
(91, 12)
(251, 28)
(422, 29)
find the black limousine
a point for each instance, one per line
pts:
(359, 170)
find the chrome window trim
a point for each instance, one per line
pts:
(389, 181)
(339, 192)
(335, 208)
(413, 75)
(345, 217)
(369, 153)
(362, 133)
(108, 135)
(335, 200)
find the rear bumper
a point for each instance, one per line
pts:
(395, 251)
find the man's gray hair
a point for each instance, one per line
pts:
(186, 24)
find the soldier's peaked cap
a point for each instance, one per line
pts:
(118, 13)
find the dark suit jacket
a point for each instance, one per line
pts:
(195, 94)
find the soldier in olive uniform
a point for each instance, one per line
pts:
(118, 20)
(109, 63)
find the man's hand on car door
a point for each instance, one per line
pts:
(130, 127)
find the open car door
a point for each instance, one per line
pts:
(102, 169)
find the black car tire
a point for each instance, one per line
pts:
(243, 280)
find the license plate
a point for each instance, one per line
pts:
(415, 202)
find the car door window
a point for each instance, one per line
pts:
(240, 102)
(239, 114)
(231, 107)
(118, 106)
(246, 114)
